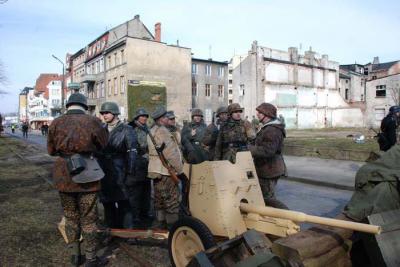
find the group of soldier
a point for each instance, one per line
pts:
(143, 166)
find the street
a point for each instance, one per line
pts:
(298, 196)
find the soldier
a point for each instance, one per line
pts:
(139, 186)
(166, 192)
(235, 135)
(389, 125)
(25, 128)
(117, 160)
(192, 137)
(255, 123)
(77, 133)
(172, 127)
(211, 134)
(267, 152)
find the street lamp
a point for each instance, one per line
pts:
(62, 81)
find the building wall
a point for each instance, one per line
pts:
(211, 103)
(154, 62)
(303, 87)
(378, 106)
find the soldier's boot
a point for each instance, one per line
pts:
(96, 262)
(159, 223)
(171, 218)
(77, 258)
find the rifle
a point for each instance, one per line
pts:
(159, 149)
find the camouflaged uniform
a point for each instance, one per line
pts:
(166, 192)
(234, 136)
(76, 132)
(192, 145)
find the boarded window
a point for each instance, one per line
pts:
(381, 91)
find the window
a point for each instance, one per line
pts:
(194, 88)
(109, 87)
(381, 91)
(97, 90)
(230, 71)
(220, 71)
(241, 90)
(122, 56)
(361, 82)
(347, 81)
(92, 71)
(373, 77)
(122, 84)
(208, 69)
(208, 90)
(194, 68)
(346, 94)
(115, 86)
(220, 91)
(97, 66)
(115, 59)
(230, 101)
(103, 93)
(109, 62)
(230, 91)
(230, 81)
(362, 97)
(101, 65)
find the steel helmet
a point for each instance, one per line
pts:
(141, 112)
(111, 107)
(77, 99)
(234, 107)
(267, 109)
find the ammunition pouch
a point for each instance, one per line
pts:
(75, 164)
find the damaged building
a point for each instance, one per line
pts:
(305, 88)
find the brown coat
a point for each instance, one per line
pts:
(74, 132)
(267, 151)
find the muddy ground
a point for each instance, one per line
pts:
(30, 210)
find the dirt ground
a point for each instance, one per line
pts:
(30, 209)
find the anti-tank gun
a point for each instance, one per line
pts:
(225, 201)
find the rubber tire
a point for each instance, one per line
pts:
(197, 226)
(274, 203)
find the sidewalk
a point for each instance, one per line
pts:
(338, 174)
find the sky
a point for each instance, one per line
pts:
(347, 31)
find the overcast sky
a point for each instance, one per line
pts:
(347, 31)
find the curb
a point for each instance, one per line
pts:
(319, 183)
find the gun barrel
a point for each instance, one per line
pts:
(302, 217)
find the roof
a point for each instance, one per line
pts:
(26, 90)
(343, 76)
(43, 80)
(210, 61)
(384, 66)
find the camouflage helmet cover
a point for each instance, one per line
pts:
(234, 107)
(77, 99)
(140, 112)
(159, 112)
(222, 109)
(197, 112)
(111, 107)
(267, 109)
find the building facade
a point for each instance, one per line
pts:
(209, 86)
(303, 87)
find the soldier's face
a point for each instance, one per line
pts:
(163, 120)
(197, 118)
(223, 116)
(237, 115)
(108, 117)
(142, 120)
(171, 122)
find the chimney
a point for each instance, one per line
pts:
(376, 60)
(157, 30)
(136, 17)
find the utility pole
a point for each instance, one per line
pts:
(62, 82)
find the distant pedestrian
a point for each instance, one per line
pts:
(25, 128)
(13, 128)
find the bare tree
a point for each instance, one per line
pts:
(3, 79)
(394, 91)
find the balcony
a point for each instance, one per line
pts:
(90, 78)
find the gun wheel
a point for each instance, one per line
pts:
(188, 237)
